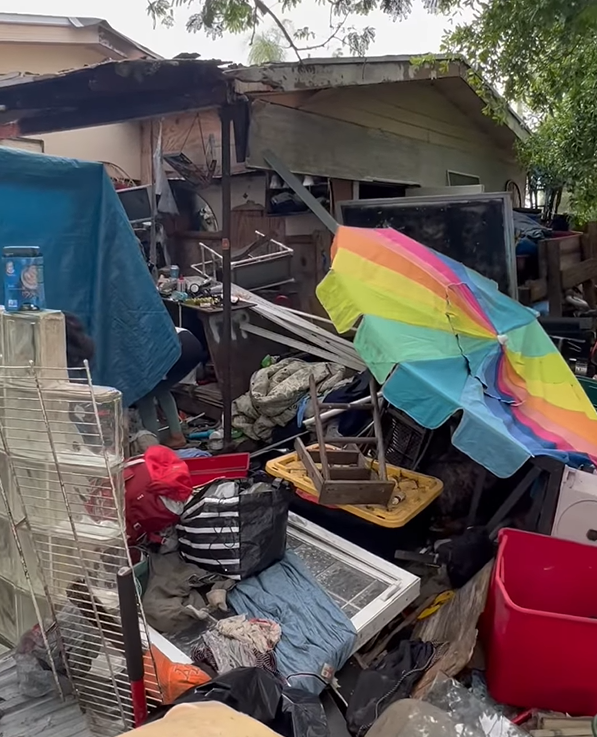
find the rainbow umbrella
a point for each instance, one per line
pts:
(441, 338)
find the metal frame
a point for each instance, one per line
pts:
(402, 587)
(211, 260)
(61, 441)
(504, 197)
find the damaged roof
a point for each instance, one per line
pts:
(110, 92)
(454, 74)
(117, 91)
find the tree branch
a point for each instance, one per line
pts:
(263, 8)
(327, 41)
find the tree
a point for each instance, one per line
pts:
(267, 47)
(217, 17)
(542, 53)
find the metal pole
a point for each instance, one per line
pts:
(133, 647)
(225, 119)
(153, 247)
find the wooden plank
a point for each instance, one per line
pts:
(302, 141)
(312, 470)
(591, 240)
(356, 492)
(579, 273)
(248, 218)
(456, 625)
(588, 285)
(570, 250)
(198, 135)
(325, 469)
(538, 289)
(554, 278)
(337, 456)
(342, 190)
(273, 160)
(343, 473)
(542, 253)
(417, 112)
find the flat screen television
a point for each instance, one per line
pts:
(475, 229)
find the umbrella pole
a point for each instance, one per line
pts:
(381, 451)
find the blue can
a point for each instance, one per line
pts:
(23, 278)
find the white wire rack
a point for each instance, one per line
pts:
(61, 479)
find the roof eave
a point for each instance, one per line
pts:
(318, 74)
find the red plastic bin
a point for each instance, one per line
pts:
(540, 624)
(231, 466)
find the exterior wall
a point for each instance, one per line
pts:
(35, 145)
(37, 58)
(427, 131)
(118, 144)
(417, 130)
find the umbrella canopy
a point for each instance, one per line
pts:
(443, 339)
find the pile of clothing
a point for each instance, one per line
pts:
(222, 586)
(276, 393)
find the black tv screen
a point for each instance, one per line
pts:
(476, 231)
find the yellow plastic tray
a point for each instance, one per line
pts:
(289, 467)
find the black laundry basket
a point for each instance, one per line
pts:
(404, 439)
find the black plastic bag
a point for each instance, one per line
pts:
(300, 714)
(236, 528)
(291, 712)
(392, 679)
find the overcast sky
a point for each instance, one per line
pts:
(421, 33)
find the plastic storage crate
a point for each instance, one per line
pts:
(540, 624)
(291, 468)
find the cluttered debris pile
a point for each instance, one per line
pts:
(396, 538)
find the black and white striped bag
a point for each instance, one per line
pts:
(235, 528)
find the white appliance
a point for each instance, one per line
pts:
(576, 513)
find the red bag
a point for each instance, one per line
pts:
(159, 473)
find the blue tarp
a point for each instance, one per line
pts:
(93, 265)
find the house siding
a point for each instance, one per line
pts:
(426, 135)
(411, 132)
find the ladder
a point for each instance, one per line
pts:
(342, 475)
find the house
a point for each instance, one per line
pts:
(352, 129)
(43, 44)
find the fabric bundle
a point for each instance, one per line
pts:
(275, 394)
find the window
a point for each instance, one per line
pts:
(458, 179)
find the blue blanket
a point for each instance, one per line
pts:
(316, 633)
(93, 265)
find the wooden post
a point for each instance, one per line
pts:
(226, 280)
(589, 250)
(554, 278)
